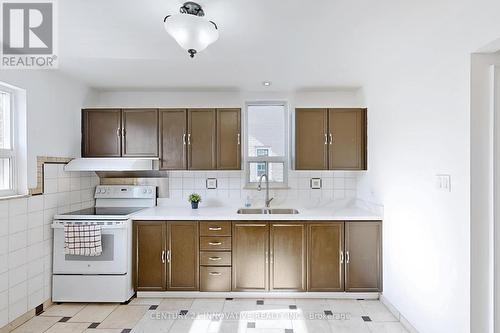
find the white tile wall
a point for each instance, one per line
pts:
(336, 185)
(26, 238)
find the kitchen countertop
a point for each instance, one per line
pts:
(350, 213)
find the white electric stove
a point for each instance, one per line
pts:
(108, 277)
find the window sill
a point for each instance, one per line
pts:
(14, 196)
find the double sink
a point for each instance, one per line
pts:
(267, 211)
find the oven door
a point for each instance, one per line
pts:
(113, 260)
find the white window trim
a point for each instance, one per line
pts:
(12, 152)
(269, 159)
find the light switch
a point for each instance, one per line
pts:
(443, 182)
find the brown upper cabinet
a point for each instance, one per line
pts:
(228, 139)
(101, 133)
(173, 132)
(201, 139)
(116, 132)
(330, 139)
(140, 133)
(363, 256)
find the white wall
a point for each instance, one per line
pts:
(126, 98)
(54, 102)
(481, 191)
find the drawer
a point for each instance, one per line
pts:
(215, 228)
(208, 243)
(215, 258)
(215, 278)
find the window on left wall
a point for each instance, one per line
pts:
(13, 145)
(8, 181)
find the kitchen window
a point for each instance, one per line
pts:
(266, 143)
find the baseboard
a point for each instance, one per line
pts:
(406, 324)
(249, 294)
(23, 318)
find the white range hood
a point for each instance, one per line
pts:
(110, 164)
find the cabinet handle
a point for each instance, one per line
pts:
(348, 258)
(189, 139)
(118, 132)
(184, 139)
(214, 243)
(326, 139)
(168, 256)
(239, 140)
(341, 257)
(271, 257)
(214, 228)
(124, 132)
(265, 254)
(331, 139)
(215, 273)
(214, 258)
(163, 256)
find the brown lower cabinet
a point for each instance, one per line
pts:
(258, 256)
(165, 256)
(325, 245)
(363, 256)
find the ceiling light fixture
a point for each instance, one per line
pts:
(190, 29)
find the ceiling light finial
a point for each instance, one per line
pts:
(190, 29)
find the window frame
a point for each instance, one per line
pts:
(11, 153)
(267, 159)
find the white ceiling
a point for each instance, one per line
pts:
(296, 44)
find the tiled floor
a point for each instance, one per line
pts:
(143, 315)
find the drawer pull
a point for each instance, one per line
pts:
(214, 228)
(215, 243)
(215, 273)
(214, 258)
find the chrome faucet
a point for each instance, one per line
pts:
(259, 188)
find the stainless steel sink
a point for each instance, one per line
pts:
(283, 211)
(267, 211)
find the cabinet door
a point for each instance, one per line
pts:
(140, 133)
(228, 139)
(325, 264)
(288, 256)
(201, 139)
(183, 256)
(150, 239)
(250, 256)
(348, 139)
(101, 133)
(363, 256)
(173, 131)
(311, 141)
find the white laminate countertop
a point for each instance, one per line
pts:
(350, 213)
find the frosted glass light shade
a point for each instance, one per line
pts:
(191, 32)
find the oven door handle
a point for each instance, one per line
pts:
(103, 227)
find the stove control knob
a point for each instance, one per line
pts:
(144, 191)
(150, 191)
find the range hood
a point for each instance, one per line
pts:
(111, 164)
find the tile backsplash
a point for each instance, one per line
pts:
(335, 185)
(26, 238)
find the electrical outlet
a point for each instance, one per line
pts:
(211, 183)
(316, 183)
(443, 182)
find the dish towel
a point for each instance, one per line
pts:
(82, 240)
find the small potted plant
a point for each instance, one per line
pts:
(194, 199)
